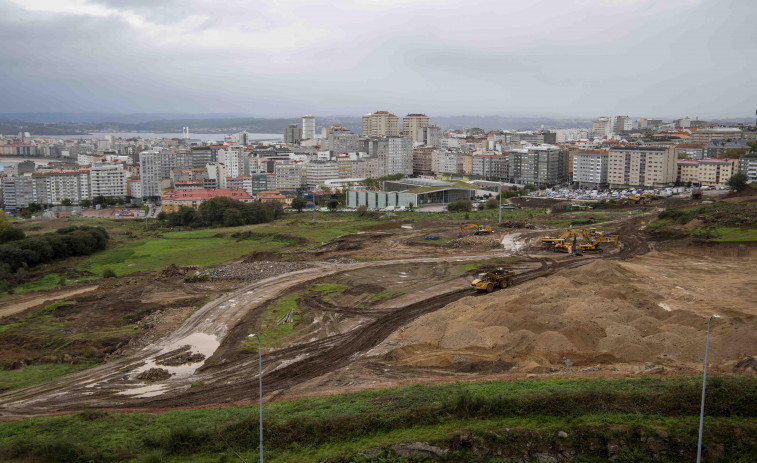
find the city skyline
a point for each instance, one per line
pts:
(282, 59)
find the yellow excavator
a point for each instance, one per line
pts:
(549, 241)
(594, 246)
(480, 229)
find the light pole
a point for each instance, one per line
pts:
(500, 203)
(260, 407)
(704, 386)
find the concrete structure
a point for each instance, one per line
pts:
(411, 125)
(641, 167)
(173, 200)
(293, 134)
(381, 124)
(395, 155)
(308, 127)
(690, 150)
(446, 162)
(590, 168)
(422, 160)
(108, 180)
(711, 171)
(430, 136)
(236, 161)
(53, 187)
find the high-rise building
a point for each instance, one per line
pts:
(381, 124)
(430, 135)
(308, 127)
(395, 154)
(590, 168)
(107, 180)
(293, 133)
(540, 165)
(155, 166)
(411, 123)
(343, 142)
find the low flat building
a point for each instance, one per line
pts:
(412, 192)
(175, 199)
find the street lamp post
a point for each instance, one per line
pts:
(704, 386)
(260, 407)
(500, 203)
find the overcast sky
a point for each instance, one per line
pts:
(286, 58)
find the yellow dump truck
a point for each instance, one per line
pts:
(490, 280)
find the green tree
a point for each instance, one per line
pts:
(299, 203)
(738, 182)
(492, 203)
(333, 204)
(85, 203)
(65, 202)
(5, 222)
(232, 218)
(733, 153)
(529, 187)
(461, 205)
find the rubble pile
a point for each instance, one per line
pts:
(474, 241)
(180, 356)
(154, 374)
(253, 271)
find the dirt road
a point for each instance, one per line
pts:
(18, 304)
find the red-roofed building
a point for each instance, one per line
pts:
(174, 199)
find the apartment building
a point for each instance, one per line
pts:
(381, 124)
(318, 172)
(155, 166)
(292, 134)
(52, 187)
(715, 133)
(172, 200)
(446, 162)
(108, 180)
(18, 192)
(289, 177)
(706, 171)
(308, 127)
(395, 154)
(236, 161)
(748, 166)
(411, 125)
(641, 166)
(430, 135)
(343, 142)
(539, 165)
(590, 168)
(422, 160)
(490, 165)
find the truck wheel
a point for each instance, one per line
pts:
(489, 288)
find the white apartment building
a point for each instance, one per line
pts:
(318, 172)
(590, 168)
(53, 187)
(411, 125)
(235, 162)
(108, 180)
(217, 174)
(18, 192)
(711, 171)
(308, 126)
(381, 124)
(366, 167)
(641, 167)
(489, 165)
(748, 166)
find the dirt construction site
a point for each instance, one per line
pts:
(389, 307)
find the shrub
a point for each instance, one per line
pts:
(109, 273)
(362, 210)
(461, 205)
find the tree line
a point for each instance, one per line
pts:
(222, 211)
(22, 252)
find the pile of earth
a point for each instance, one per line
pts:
(653, 308)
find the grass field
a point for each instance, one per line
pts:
(497, 416)
(37, 373)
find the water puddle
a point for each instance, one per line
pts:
(145, 391)
(199, 343)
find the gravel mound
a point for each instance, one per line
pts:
(253, 271)
(154, 374)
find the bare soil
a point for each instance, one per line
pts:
(408, 315)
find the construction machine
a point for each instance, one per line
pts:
(490, 280)
(480, 229)
(594, 246)
(549, 241)
(638, 199)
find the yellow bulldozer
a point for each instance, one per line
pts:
(480, 229)
(488, 281)
(594, 246)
